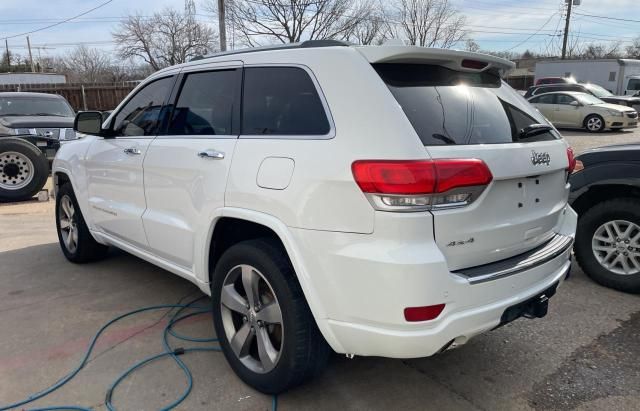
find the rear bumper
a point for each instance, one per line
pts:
(366, 281)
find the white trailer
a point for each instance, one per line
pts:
(620, 76)
(32, 78)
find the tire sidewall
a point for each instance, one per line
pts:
(245, 254)
(587, 226)
(40, 164)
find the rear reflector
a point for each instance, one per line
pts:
(430, 312)
(418, 176)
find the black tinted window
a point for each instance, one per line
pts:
(205, 105)
(281, 101)
(450, 107)
(144, 113)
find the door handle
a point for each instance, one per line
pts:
(132, 151)
(216, 155)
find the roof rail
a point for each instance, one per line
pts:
(301, 45)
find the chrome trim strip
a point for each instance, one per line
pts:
(531, 259)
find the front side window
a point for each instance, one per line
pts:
(143, 114)
(205, 105)
(447, 107)
(544, 99)
(634, 84)
(565, 99)
(281, 101)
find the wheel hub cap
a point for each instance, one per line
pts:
(616, 247)
(16, 170)
(252, 318)
(68, 224)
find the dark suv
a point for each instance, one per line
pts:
(588, 88)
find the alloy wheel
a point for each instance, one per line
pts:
(252, 318)
(16, 170)
(616, 246)
(594, 124)
(68, 224)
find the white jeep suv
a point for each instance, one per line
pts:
(378, 200)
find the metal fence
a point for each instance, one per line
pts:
(81, 96)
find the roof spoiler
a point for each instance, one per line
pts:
(453, 59)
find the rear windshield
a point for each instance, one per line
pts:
(451, 107)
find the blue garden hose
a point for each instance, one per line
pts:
(169, 351)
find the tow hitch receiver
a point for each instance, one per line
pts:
(535, 307)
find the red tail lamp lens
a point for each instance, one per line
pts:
(572, 160)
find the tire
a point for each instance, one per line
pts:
(594, 123)
(298, 349)
(620, 212)
(24, 170)
(77, 243)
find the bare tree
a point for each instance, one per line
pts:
(429, 23)
(633, 50)
(373, 27)
(601, 50)
(165, 39)
(471, 45)
(258, 22)
(86, 64)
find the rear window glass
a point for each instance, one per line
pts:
(450, 107)
(281, 101)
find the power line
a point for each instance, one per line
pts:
(58, 23)
(531, 36)
(607, 18)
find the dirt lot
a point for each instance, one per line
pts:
(583, 355)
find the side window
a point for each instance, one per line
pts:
(281, 101)
(205, 105)
(612, 76)
(565, 99)
(144, 113)
(634, 84)
(544, 99)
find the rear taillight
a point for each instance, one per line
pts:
(572, 160)
(415, 185)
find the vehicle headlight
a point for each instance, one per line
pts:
(616, 113)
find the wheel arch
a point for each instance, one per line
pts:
(246, 224)
(597, 193)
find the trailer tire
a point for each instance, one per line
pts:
(24, 170)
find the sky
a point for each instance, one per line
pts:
(497, 25)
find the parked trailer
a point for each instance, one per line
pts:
(620, 76)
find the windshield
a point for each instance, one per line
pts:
(34, 106)
(446, 106)
(588, 99)
(598, 91)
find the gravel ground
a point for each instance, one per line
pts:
(581, 140)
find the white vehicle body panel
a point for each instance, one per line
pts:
(358, 267)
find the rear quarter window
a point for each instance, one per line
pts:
(445, 106)
(282, 101)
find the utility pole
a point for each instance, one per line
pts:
(30, 55)
(566, 30)
(6, 45)
(221, 26)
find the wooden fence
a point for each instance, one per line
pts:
(91, 96)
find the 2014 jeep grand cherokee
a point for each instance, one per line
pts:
(378, 201)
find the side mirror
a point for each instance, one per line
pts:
(89, 122)
(574, 104)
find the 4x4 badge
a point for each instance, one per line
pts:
(540, 158)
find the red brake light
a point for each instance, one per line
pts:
(395, 177)
(474, 64)
(456, 173)
(572, 160)
(430, 312)
(419, 176)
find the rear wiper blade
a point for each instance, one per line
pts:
(534, 129)
(445, 139)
